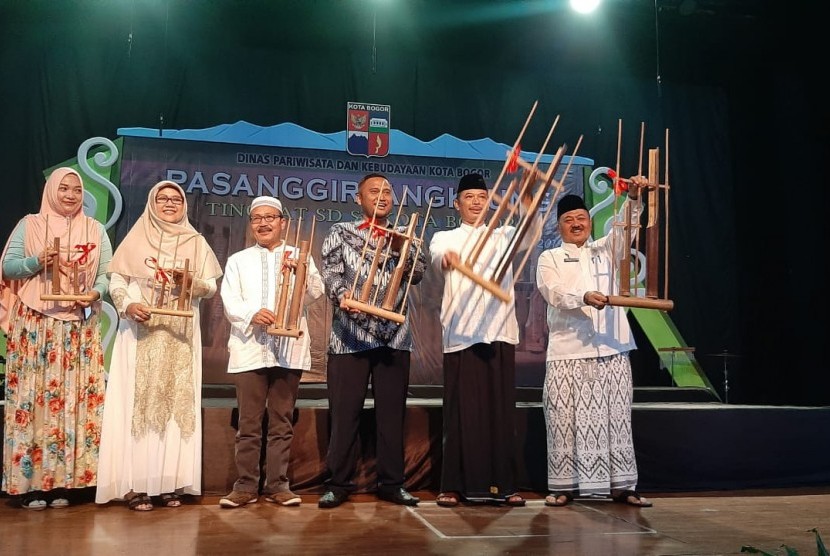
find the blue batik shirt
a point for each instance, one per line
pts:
(346, 255)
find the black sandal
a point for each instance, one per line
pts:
(552, 499)
(447, 499)
(623, 498)
(515, 501)
(33, 502)
(170, 500)
(133, 502)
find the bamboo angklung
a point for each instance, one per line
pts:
(539, 226)
(164, 282)
(283, 281)
(163, 279)
(512, 157)
(366, 302)
(647, 296)
(56, 292)
(291, 290)
(533, 186)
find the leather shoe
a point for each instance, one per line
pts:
(398, 496)
(332, 499)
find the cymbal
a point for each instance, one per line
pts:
(676, 348)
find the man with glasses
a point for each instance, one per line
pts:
(266, 368)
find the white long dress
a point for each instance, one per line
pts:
(153, 462)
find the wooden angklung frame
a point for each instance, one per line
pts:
(74, 267)
(520, 203)
(162, 300)
(366, 299)
(291, 286)
(656, 236)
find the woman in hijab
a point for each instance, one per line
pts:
(151, 444)
(55, 375)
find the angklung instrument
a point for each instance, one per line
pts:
(520, 203)
(292, 280)
(367, 299)
(638, 273)
(171, 287)
(72, 261)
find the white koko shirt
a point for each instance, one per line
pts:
(563, 275)
(469, 313)
(250, 284)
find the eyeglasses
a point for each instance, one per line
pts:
(267, 218)
(163, 200)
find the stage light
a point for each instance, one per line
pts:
(584, 6)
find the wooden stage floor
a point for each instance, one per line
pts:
(678, 524)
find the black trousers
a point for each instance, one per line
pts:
(348, 380)
(479, 415)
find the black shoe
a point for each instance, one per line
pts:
(398, 496)
(332, 499)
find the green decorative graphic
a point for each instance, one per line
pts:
(99, 169)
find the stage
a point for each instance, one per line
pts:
(689, 443)
(760, 473)
(686, 444)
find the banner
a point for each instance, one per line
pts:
(223, 169)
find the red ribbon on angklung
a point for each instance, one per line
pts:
(513, 161)
(377, 230)
(287, 257)
(151, 262)
(620, 184)
(86, 249)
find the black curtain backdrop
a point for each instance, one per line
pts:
(737, 89)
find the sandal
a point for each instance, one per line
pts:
(170, 500)
(58, 498)
(553, 499)
(515, 500)
(624, 497)
(139, 503)
(447, 499)
(33, 503)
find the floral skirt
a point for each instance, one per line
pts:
(55, 384)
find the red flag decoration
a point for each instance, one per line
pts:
(620, 185)
(377, 231)
(513, 161)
